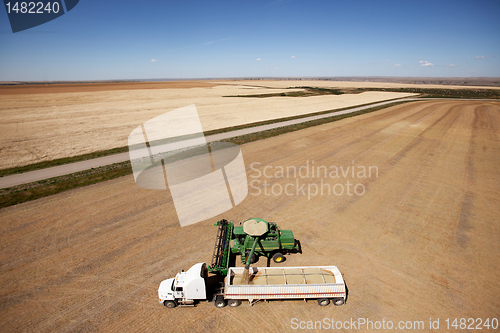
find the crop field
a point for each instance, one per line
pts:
(405, 201)
(354, 84)
(42, 123)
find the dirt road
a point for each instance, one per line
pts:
(419, 239)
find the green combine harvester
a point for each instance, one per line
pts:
(271, 243)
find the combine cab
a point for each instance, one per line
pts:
(273, 243)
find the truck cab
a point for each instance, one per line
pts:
(185, 288)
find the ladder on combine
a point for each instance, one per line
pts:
(220, 257)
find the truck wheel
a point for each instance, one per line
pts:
(338, 301)
(323, 301)
(278, 258)
(220, 302)
(170, 304)
(234, 303)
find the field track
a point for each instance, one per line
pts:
(422, 241)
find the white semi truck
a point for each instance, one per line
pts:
(323, 283)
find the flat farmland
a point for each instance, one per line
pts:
(355, 84)
(416, 235)
(41, 123)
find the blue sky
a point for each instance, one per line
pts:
(104, 40)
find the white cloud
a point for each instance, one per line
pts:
(294, 57)
(479, 57)
(472, 70)
(425, 63)
(258, 59)
(492, 56)
(397, 65)
(387, 60)
(452, 65)
(154, 60)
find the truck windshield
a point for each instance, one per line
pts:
(172, 286)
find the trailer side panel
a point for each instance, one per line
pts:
(285, 283)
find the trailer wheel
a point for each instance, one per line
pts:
(323, 301)
(278, 257)
(170, 304)
(234, 303)
(220, 302)
(338, 301)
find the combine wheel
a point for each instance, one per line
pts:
(170, 304)
(234, 303)
(278, 258)
(220, 302)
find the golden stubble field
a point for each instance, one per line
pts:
(348, 84)
(422, 242)
(41, 123)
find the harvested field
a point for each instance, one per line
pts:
(56, 88)
(346, 84)
(47, 126)
(422, 241)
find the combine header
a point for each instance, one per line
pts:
(220, 258)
